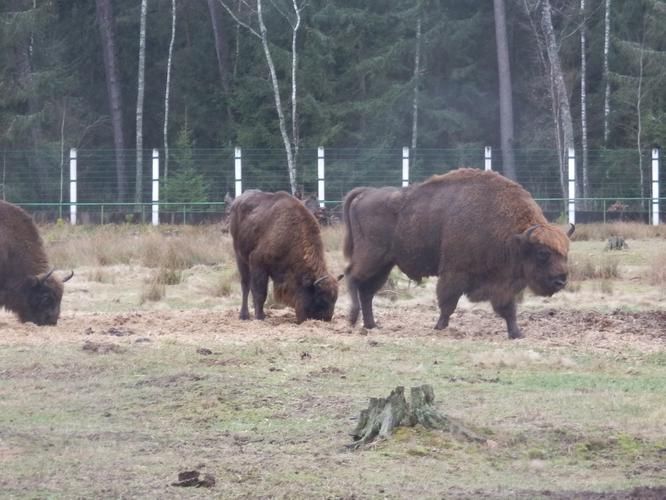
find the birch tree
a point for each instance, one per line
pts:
(583, 99)
(606, 75)
(141, 85)
(165, 131)
(540, 15)
(291, 144)
(417, 80)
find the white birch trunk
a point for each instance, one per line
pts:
(563, 107)
(294, 97)
(606, 75)
(417, 80)
(165, 131)
(583, 101)
(139, 104)
(639, 129)
(278, 101)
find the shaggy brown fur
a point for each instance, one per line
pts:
(26, 286)
(276, 237)
(482, 234)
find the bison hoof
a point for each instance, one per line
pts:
(441, 325)
(244, 316)
(516, 335)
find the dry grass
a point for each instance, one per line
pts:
(174, 247)
(656, 270)
(586, 267)
(626, 230)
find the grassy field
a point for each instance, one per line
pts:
(150, 373)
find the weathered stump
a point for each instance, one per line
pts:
(385, 414)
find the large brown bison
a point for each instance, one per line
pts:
(27, 286)
(276, 237)
(482, 234)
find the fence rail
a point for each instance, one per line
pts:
(191, 186)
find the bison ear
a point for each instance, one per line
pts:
(340, 276)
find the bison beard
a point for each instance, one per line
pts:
(483, 235)
(276, 237)
(27, 286)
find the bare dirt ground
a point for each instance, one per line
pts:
(122, 396)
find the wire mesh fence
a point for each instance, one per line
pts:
(615, 184)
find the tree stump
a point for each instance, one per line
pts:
(385, 414)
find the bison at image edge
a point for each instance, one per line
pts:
(27, 286)
(482, 234)
(276, 237)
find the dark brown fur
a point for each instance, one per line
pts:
(469, 227)
(27, 288)
(276, 237)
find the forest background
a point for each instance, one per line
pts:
(279, 78)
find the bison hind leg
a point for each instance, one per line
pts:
(355, 308)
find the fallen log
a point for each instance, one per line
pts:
(383, 415)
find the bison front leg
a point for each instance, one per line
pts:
(450, 288)
(508, 312)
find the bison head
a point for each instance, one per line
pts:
(41, 299)
(318, 299)
(544, 249)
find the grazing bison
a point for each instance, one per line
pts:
(276, 237)
(27, 286)
(482, 234)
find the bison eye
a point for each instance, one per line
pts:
(542, 256)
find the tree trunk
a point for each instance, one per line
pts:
(221, 46)
(138, 194)
(562, 102)
(383, 415)
(278, 101)
(166, 92)
(505, 95)
(417, 81)
(606, 75)
(113, 85)
(639, 128)
(295, 139)
(583, 102)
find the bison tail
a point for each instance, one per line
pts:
(348, 245)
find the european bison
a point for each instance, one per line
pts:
(482, 234)
(27, 286)
(276, 237)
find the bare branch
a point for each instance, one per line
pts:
(238, 21)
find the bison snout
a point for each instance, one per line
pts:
(559, 281)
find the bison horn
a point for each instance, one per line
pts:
(571, 230)
(43, 278)
(68, 277)
(319, 280)
(530, 230)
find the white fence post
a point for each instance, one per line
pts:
(572, 185)
(488, 158)
(655, 186)
(405, 167)
(321, 183)
(72, 186)
(238, 167)
(156, 188)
